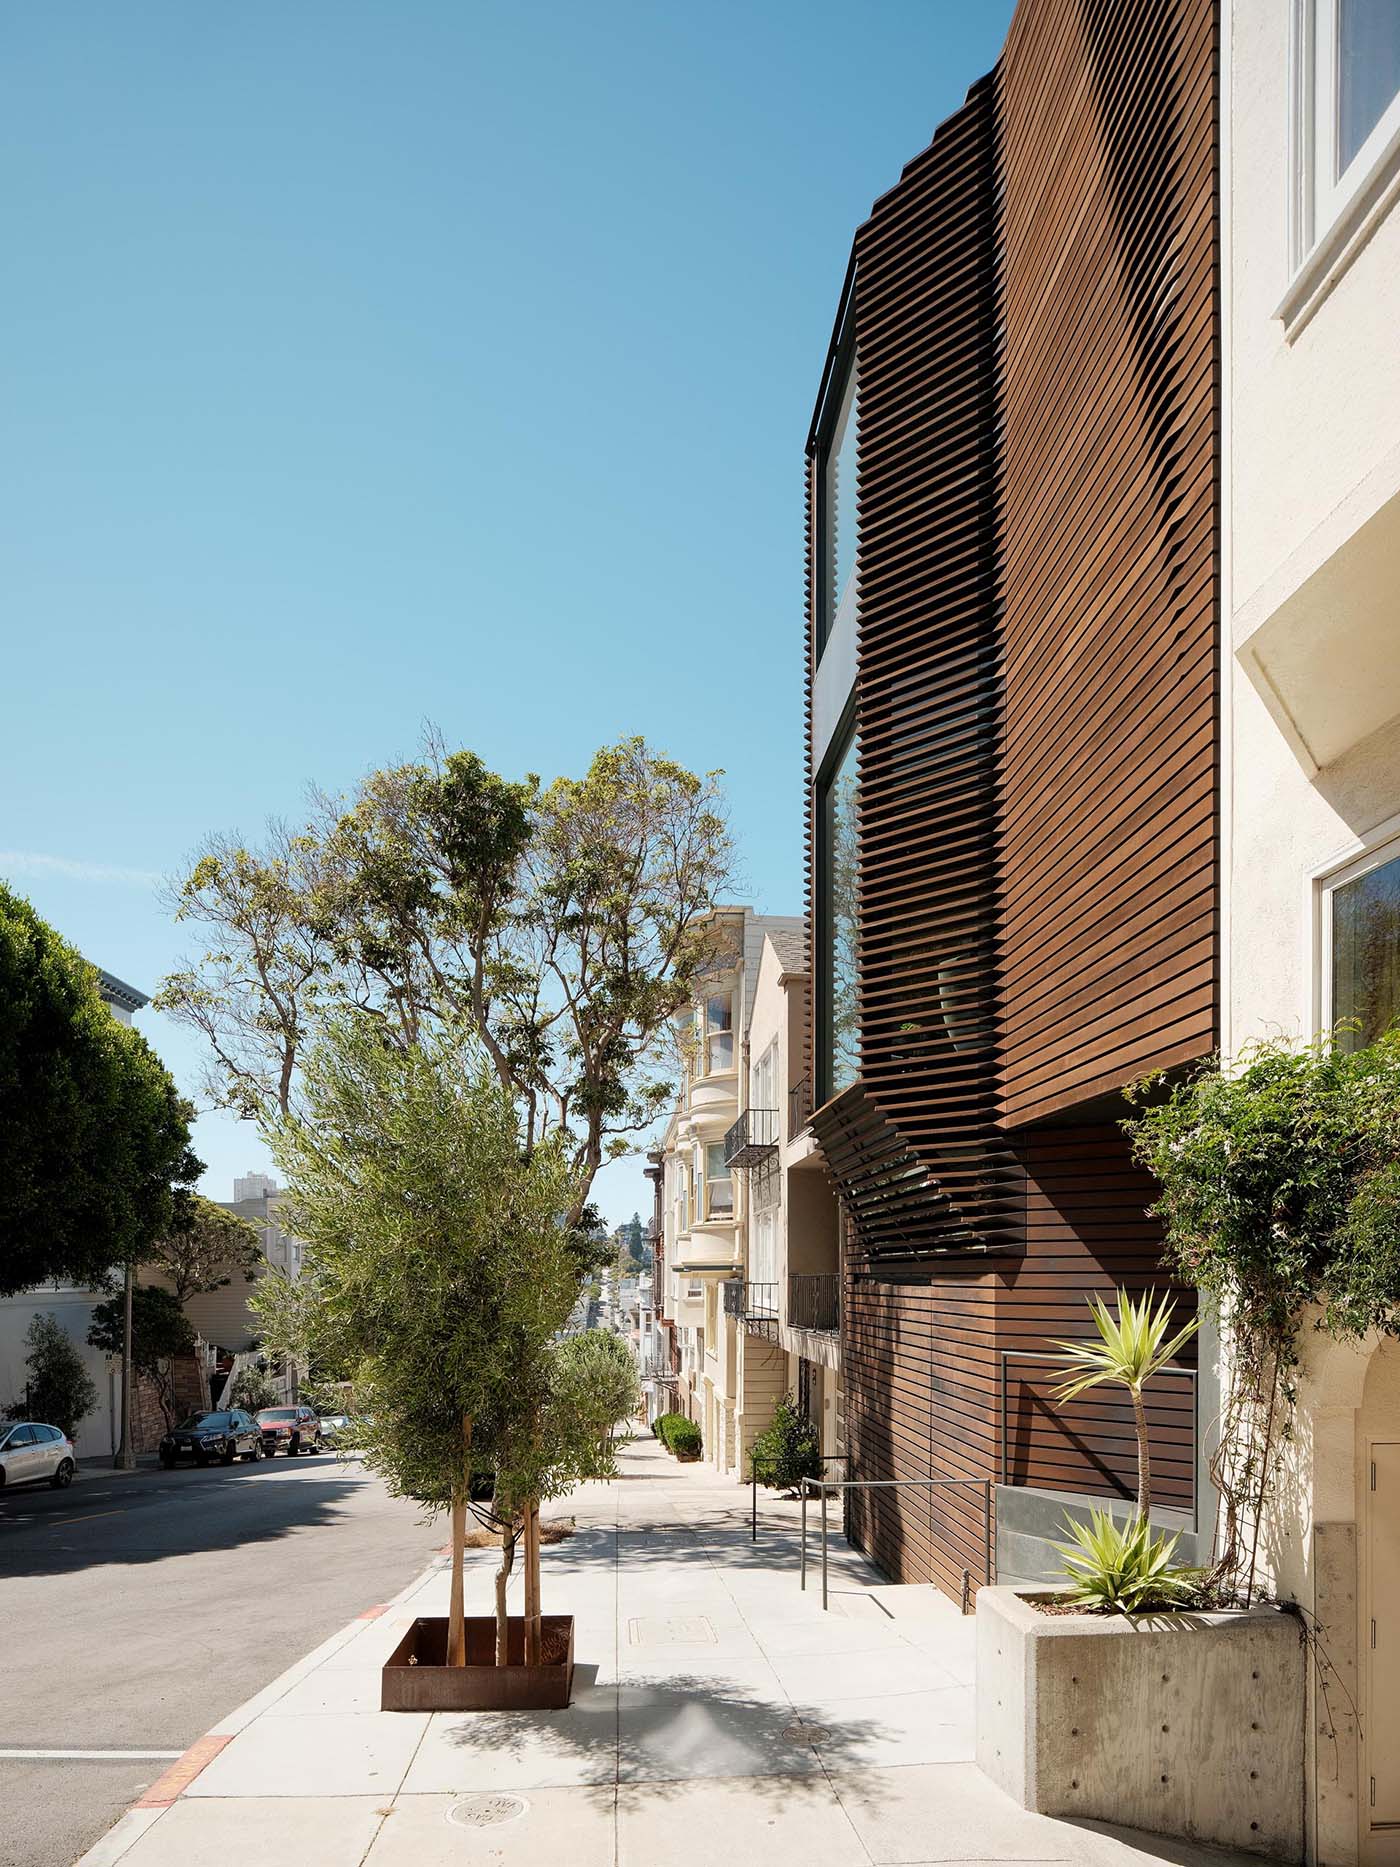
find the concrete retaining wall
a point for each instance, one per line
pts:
(1181, 1724)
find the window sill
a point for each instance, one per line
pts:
(1333, 253)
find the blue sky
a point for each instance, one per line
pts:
(363, 365)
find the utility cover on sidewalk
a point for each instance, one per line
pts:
(679, 1630)
(487, 1811)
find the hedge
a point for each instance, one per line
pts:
(678, 1434)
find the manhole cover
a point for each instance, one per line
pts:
(802, 1732)
(487, 1811)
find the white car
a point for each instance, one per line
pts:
(30, 1453)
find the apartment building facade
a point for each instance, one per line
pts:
(704, 1204)
(786, 1304)
(1013, 768)
(1312, 668)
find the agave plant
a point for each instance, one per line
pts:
(1132, 1347)
(1123, 1568)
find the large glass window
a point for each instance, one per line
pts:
(719, 1187)
(1347, 115)
(1364, 916)
(836, 508)
(719, 1032)
(839, 894)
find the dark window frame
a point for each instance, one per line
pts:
(825, 597)
(844, 740)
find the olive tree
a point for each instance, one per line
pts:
(438, 1265)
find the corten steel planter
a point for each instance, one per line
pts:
(416, 1676)
(1184, 1724)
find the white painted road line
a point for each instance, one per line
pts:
(88, 1756)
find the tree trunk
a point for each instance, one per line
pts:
(533, 1626)
(125, 1460)
(456, 1613)
(1144, 1503)
(508, 1536)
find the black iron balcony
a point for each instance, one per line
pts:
(752, 1138)
(799, 1107)
(814, 1301)
(754, 1305)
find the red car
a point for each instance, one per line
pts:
(290, 1430)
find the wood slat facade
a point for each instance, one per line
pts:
(1035, 320)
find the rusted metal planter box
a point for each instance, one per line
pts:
(416, 1676)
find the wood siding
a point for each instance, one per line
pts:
(1035, 309)
(1110, 403)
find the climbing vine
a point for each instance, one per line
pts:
(1280, 1200)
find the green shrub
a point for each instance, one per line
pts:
(678, 1434)
(1123, 1569)
(684, 1439)
(789, 1450)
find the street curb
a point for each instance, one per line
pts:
(168, 1788)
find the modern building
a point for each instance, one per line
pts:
(1013, 773)
(1312, 601)
(786, 1306)
(705, 1210)
(253, 1186)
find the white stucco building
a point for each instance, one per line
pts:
(1311, 685)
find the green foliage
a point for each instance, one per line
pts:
(598, 1381)
(61, 1392)
(251, 1389)
(679, 1435)
(206, 1249)
(1280, 1186)
(93, 1134)
(788, 1450)
(436, 1268)
(160, 1330)
(566, 923)
(1279, 1191)
(1123, 1568)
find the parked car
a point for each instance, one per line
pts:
(31, 1452)
(226, 1435)
(289, 1429)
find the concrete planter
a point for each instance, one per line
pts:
(1183, 1724)
(416, 1676)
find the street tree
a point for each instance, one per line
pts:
(599, 1375)
(58, 1388)
(438, 1263)
(93, 1134)
(206, 1249)
(567, 922)
(160, 1332)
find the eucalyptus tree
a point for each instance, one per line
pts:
(567, 922)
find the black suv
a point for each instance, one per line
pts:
(205, 1437)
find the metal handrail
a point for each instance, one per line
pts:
(825, 1458)
(828, 1485)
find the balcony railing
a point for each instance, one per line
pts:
(754, 1305)
(814, 1301)
(752, 1138)
(799, 1107)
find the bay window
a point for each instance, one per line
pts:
(719, 1187)
(719, 1033)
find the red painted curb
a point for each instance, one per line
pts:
(373, 1614)
(172, 1784)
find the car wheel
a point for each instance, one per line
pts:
(256, 1453)
(295, 1446)
(63, 1477)
(166, 1464)
(230, 1453)
(315, 1446)
(200, 1458)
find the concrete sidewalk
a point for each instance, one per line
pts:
(701, 1669)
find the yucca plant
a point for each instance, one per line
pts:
(1132, 1347)
(1123, 1568)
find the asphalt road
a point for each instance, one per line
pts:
(137, 1609)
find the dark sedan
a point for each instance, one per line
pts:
(207, 1437)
